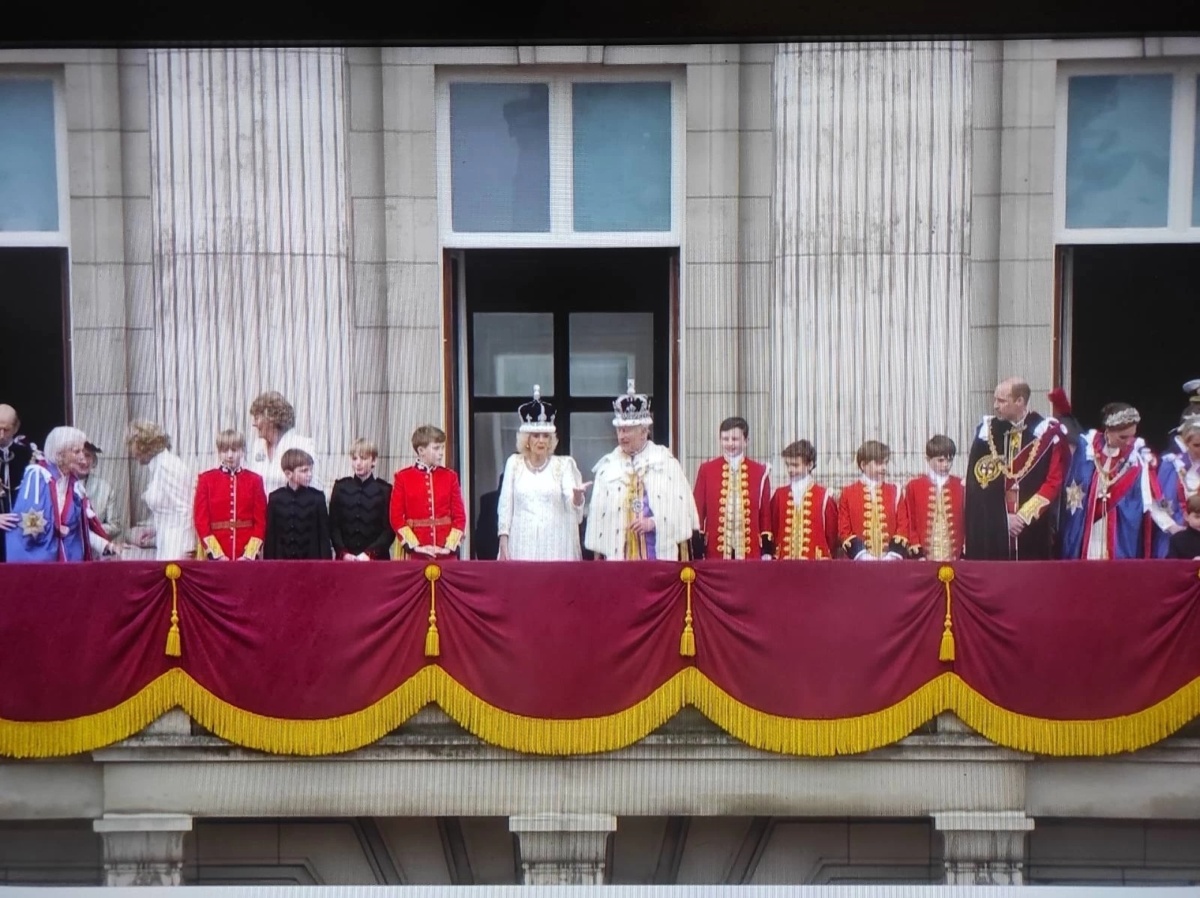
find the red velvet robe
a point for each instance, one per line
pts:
(807, 531)
(923, 503)
(714, 484)
(427, 509)
(230, 513)
(878, 527)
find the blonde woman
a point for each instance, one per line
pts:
(541, 499)
(274, 418)
(169, 495)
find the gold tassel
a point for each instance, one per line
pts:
(687, 642)
(173, 648)
(432, 640)
(946, 653)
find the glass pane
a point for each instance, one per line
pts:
(609, 348)
(622, 154)
(28, 161)
(500, 157)
(592, 437)
(512, 352)
(1118, 151)
(495, 440)
(1196, 165)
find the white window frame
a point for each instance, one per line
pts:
(1179, 227)
(562, 199)
(61, 237)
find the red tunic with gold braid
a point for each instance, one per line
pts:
(807, 530)
(734, 529)
(935, 518)
(230, 513)
(427, 509)
(876, 524)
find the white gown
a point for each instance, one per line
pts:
(170, 497)
(536, 510)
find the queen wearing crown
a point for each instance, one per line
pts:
(642, 506)
(541, 500)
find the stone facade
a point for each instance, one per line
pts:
(871, 225)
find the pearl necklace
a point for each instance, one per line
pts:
(539, 468)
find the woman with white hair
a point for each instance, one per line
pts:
(541, 496)
(55, 519)
(169, 495)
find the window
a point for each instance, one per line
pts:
(32, 161)
(578, 323)
(1128, 154)
(538, 160)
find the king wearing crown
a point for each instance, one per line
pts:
(642, 504)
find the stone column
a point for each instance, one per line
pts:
(250, 245)
(563, 849)
(872, 249)
(984, 847)
(143, 849)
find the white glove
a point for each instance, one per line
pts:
(864, 555)
(363, 556)
(892, 556)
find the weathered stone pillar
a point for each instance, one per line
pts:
(872, 249)
(563, 849)
(250, 242)
(984, 847)
(143, 849)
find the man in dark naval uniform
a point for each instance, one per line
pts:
(1014, 474)
(358, 509)
(15, 456)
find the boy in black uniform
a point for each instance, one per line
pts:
(358, 509)
(297, 516)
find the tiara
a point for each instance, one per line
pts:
(1123, 418)
(536, 416)
(632, 409)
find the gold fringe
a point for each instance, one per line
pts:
(946, 652)
(583, 736)
(819, 738)
(173, 648)
(307, 738)
(813, 738)
(62, 738)
(687, 641)
(433, 646)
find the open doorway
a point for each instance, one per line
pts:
(34, 360)
(1132, 331)
(578, 323)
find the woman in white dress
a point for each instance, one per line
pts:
(169, 495)
(541, 499)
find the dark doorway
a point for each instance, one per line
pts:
(34, 371)
(576, 322)
(1134, 321)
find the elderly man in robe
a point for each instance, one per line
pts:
(642, 506)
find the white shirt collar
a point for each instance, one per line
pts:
(869, 483)
(939, 480)
(800, 485)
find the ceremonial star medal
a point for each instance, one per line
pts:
(33, 523)
(987, 469)
(1074, 498)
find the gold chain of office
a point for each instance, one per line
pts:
(990, 466)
